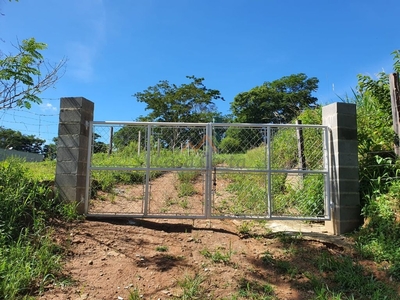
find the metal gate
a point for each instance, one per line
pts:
(213, 170)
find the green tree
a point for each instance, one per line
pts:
(279, 101)
(189, 102)
(22, 77)
(50, 150)
(11, 139)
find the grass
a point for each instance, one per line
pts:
(218, 255)
(192, 287)
(255, 290)
(29, 259)
(162, 248)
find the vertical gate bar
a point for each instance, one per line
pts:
(88, 167)
(147, 186)
(327, 168)
(269, 171)
(208, 189)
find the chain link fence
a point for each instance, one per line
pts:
(190, 170)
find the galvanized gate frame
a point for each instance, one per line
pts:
(209, 169)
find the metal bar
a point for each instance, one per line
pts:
(227, 170)
(148, 167)
(328, 168)
(183, 124)
(88, 167)
(224, 217)
(269, 172)
(208, 172)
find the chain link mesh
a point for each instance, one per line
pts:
(256, 170)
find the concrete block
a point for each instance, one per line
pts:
(347, 147)
(339, 108)
(346, 158)
(73, 141)
(73, 128)
(71, 154)
(347, 173)
(70, 180)
(348, 186)
(67, 167)
(346, 133)
(76, 102)
(75, 115)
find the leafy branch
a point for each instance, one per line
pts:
(25, 75)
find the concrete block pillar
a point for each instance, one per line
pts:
(72, 149)
(346, 210)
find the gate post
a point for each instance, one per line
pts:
(72, 149)
(344, 184)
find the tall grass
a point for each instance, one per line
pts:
(29, 259)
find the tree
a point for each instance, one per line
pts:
(191, 102)
(11, 139)
(22, 77)
(279, 101)
(50, 150)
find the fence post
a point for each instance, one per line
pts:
(344, 185)
(72, 149)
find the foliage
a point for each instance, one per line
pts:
(22, 77)
(255, 290)
(192, 287)
(191, 102)
(218, 256)
(379, 169)
(279, 101)
(99, 146)
(29, 260)
(22, 200)
(11, 139)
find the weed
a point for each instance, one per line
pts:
(244, 227)
(186, 189)
(134, 294)
(255, 290)
(162, 248)
(218, 256)
(191, 287)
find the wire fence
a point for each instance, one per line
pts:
(40, 121)
(209, 170)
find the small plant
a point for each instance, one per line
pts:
(255, 290)
(162, 248)
(191, 287)
(244, 227)
(186, 189)
(217, 256)
(134, 294)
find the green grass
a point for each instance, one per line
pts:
(29, 260)
(255, 290)
(192, 287)
(219, 255)
(338, 277)
(162, 248)
(43, 171)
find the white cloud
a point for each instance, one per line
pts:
(48, 107)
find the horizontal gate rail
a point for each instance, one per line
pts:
(209, 171)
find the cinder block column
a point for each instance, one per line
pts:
(72, 149)
(342, 119)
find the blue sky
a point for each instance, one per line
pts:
(117, 48)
